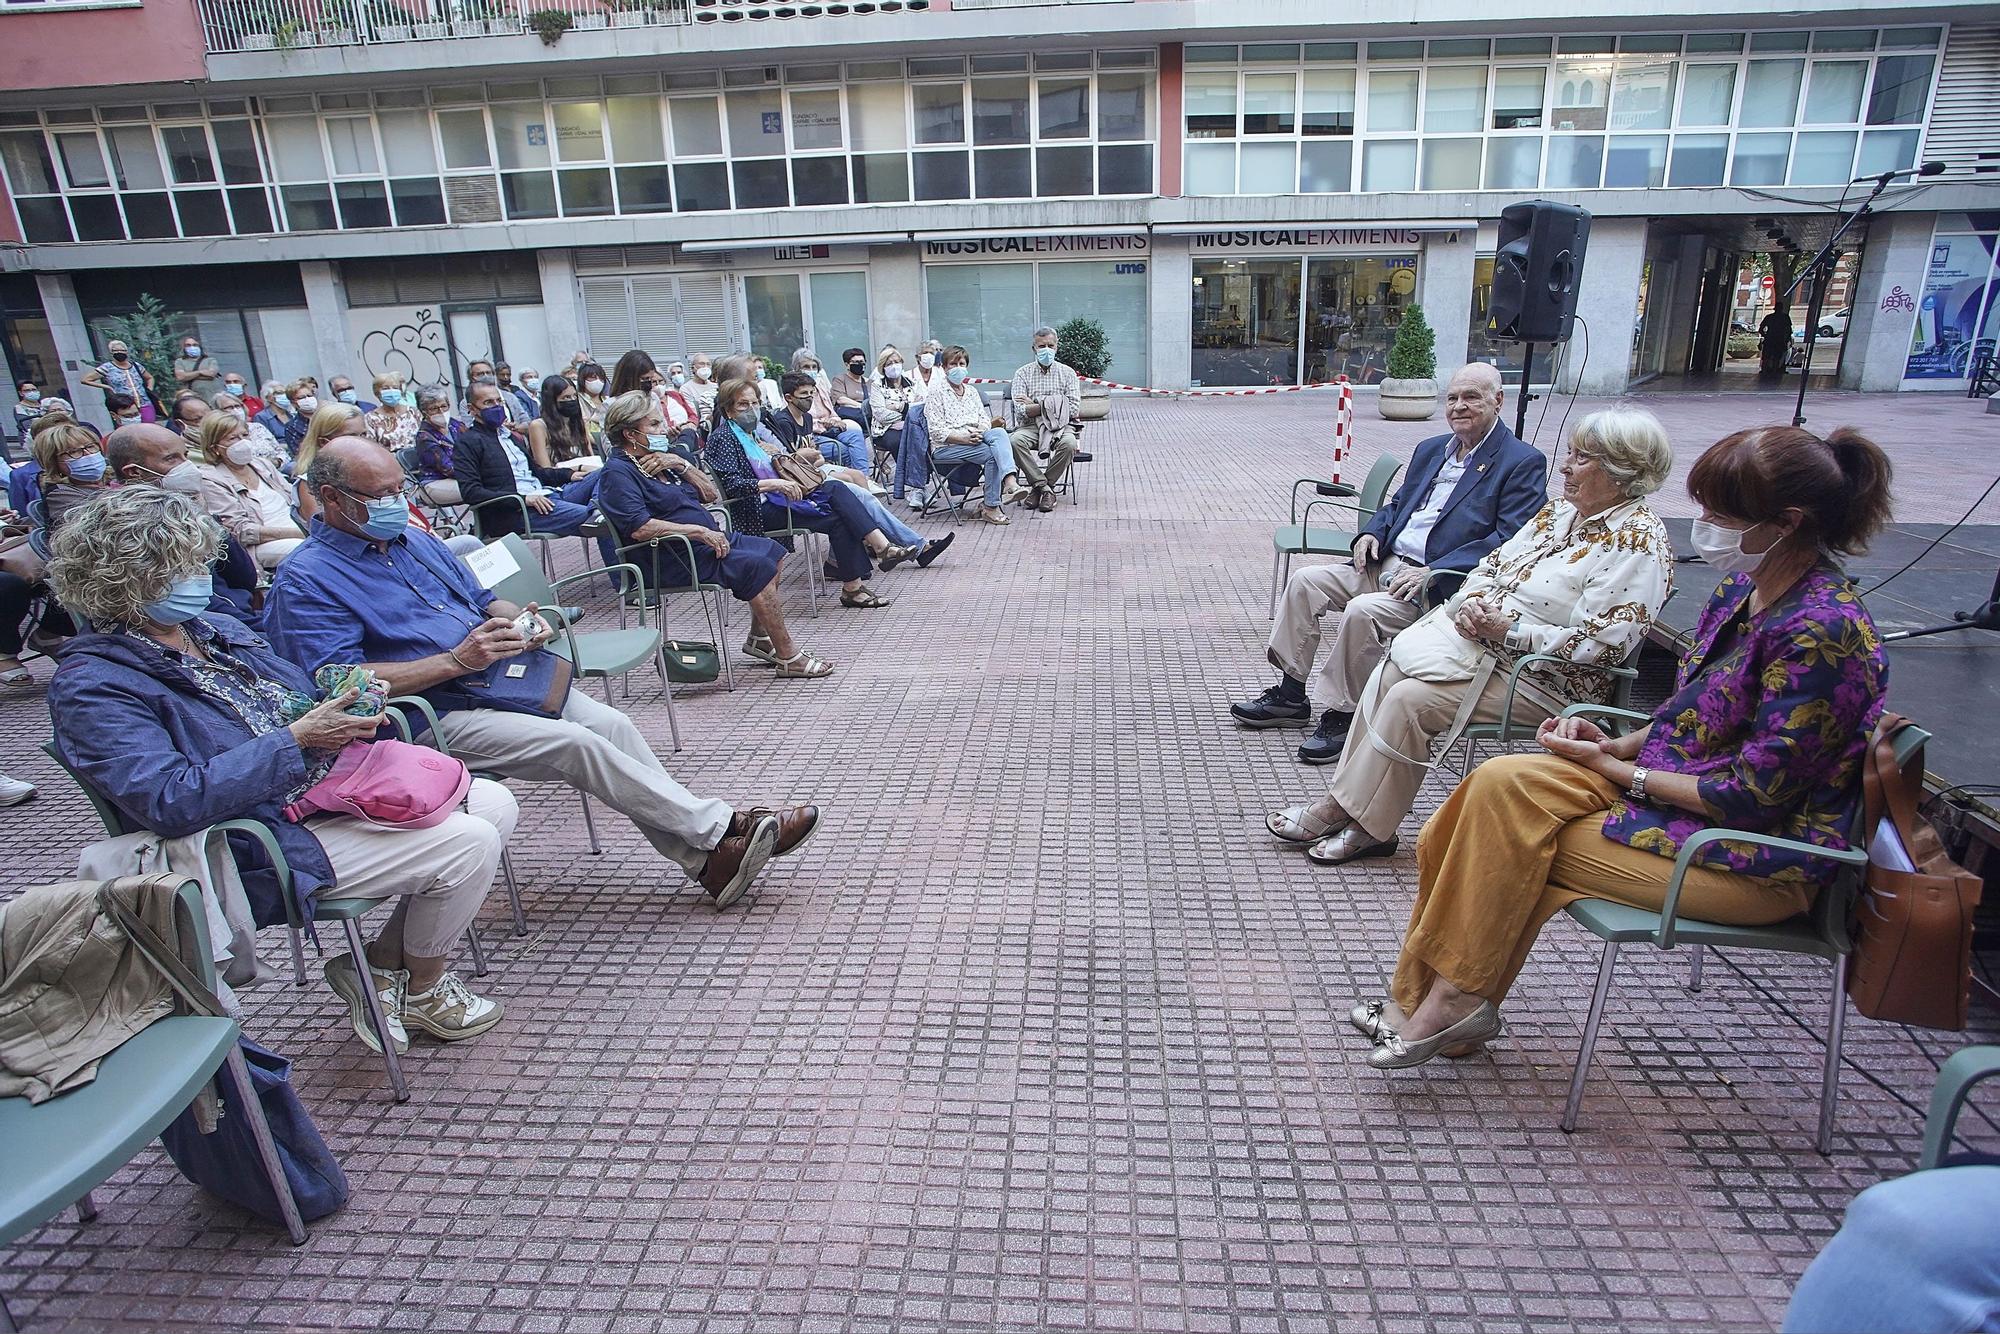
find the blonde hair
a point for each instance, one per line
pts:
(51, 440)
(328, 420)
(209, 443)
(121, 552)
(1631, 445)
(388, 380)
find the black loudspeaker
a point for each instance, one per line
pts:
(1537, 270)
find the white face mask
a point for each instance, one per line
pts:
(893, 371)
(926, 360)
(593, 387)
(240, 453)
(1723, 547)
(702, 372)
(308, 404)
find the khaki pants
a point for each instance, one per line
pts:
(595, 749)
(1029, 464)
(1406, 715)
(268, 554)
(439, 875)
(1369, 618)
(1518, 841)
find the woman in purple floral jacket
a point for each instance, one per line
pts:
(1765, 732)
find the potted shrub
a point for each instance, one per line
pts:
(1409, 392)
(1081, 345)
(549, 24)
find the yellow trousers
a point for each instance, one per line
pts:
(1518, 841)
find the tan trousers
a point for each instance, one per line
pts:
(1029, 464)
(596, 749)
(269, 554)
(1375, 787)
(1369, 619)
(439, 876)
(1518, 841)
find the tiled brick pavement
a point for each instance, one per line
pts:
(1041, 1033)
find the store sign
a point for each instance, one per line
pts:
(1315, 238)
(1040, 245)
(788, 252)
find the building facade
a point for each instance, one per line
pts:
(1241, 192)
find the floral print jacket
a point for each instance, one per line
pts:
(1773, 721)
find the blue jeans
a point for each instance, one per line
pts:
(849, 448)
(993, 454)
(1918, 1252)
(572, 510)
(892, 527)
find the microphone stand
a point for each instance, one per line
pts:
(1820, 270)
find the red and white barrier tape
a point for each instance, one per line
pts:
(1343, 423)
(1178, 393)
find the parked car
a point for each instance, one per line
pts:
(1834, 325)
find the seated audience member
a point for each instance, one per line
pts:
(964, 431)
(21, 582)
(888, 400)
(929, 376)
(1917, 1252)
(650, 491)
(677, 405)
(123, 408)
(1049, 399)
(850, 388)
(518, 395)
(329, 421)
(700, 390)
(489, 465)
(557, 437)
(182, 717)
(342, 390)
(1581, 581)
(1464, 494)
(475, 371)
(189, 409)
(148, 454)
(276, 412)
(437, 470)
(432, 630)
(302, 396)
(261, 440)
(238, 388)
(635, 371)
(844, 443)
(1765, 731)
(73, 470)
(244, 493)
(591, 388)
(394, 424)
(739, 454)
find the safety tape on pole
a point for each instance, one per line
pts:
(1179, 393)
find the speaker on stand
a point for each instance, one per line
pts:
(1536, 273)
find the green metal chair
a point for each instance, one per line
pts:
(1822, 930)
(348, 912)
(398, 709)
(1297, 537)
(527, 531)
(1966, 1067)
(717, 617)
(1506, 732)
(60, 1150)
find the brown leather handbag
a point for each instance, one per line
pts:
(792, 468)
(1912, 960)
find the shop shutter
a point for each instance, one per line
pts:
(708, 313)
(607, 318)
(472, 199)
(656, 319)
(1964, 129)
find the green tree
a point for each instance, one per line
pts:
(1414, 353)
(1081, 345)
(153, 332)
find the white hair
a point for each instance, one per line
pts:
(1631, 445)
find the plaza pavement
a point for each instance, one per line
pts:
(1041, 1032)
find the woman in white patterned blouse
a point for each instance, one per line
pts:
(1581, 582)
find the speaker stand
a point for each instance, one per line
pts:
(1525, 398)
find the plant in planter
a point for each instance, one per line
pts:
(389, 22)
(480, 18)
(1083, 346)
(549, 24)
(1409, 392)
(153, 331)
(631, 13)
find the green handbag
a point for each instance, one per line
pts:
(691, 661)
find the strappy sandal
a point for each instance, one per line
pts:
(892, 556)
(763, 648)
(802, 666)
(987, 514)
(1297, 824)
(17, 675)
(867, 597)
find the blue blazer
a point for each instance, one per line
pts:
(1505, 486)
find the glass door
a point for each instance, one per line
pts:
(1246, 321)
(774, 304)
(472, 335)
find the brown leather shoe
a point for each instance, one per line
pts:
(736, 860)
(796, 824)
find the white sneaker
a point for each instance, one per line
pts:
(389, 987)
(449, 1010)
(13, 791)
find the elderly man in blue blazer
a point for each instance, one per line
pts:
(1464, 494)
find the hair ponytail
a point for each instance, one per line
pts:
(1868, 474)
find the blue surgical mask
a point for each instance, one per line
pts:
(186, 599)
(955, 374)
(660, 444)
(1045, 357)
(678, 379)
(533, 386)
(348, 396)
(193, 350)
(392, 398)
(388, 516)
(85, 467)
(494, 416)
(283, 400)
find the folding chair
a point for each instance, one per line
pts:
(60, 1150)
(545, 541)
(1506, 731)
(1821, 930)
(1297, 537)
(399, 708)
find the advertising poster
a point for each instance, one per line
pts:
(1957, 289)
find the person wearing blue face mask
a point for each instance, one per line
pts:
(964, 434)
(181, 717)
(73, 470)
(341, 390)
(507, 492)
(1049, 398)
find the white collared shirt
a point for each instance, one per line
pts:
(1411, 543)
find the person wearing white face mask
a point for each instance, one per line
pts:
(591, 383)
(394, 424)
(1765, 731)
(261, 440)
(147, 455)
(889, 400)
(701, 389)
(244, 493)
(929, 373)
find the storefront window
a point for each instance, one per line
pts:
(839, 314)
(988, 309)
(1246, 321)
(1353, 308)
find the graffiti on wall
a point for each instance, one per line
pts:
(413, 347)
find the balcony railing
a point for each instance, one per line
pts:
(288, 25)
(730, 11)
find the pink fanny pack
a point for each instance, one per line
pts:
(388, 783)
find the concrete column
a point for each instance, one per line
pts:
(1886, 293)
(896, 298)
(1608, 304)
(1683, 299)
(72, 340)
(1444, 289)
(326, 309)
(560, 309)
(1170, 313)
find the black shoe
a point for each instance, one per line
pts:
(932, 550)
(1328, 739)
(1272, 709)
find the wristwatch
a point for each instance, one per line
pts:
(1637, 788)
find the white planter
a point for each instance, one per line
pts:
(395, 32)
(259, 41)
(1408, 400)
(1096, 404)
(637, 18)
(425, 32)
(589, 22)
(337, 37)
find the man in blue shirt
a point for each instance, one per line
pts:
(366, 589)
